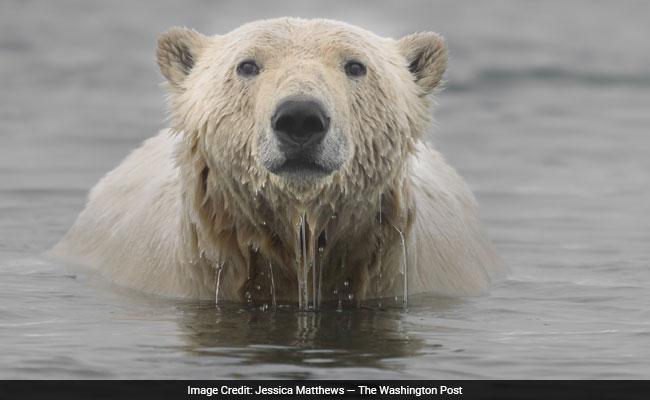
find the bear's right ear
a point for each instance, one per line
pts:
(177, 52)
(426, 54)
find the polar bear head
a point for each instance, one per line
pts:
(309, 106)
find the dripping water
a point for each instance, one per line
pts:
(379, 250)
(303, 237)
(313, 267)
(404, 266)
(272, 284)
(320, 273)
(217, 283)
(298, 277)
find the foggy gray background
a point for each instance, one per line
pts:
(545, 114)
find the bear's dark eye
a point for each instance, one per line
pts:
(355, 68)
(248, 68)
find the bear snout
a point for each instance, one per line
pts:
(305, 147)
(300, 124)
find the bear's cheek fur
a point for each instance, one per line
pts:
(228, 148)
(380, 132)
(225, 130)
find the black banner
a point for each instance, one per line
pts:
(208, 390)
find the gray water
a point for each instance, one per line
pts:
(546, 114)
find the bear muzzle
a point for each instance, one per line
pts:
(300, 126)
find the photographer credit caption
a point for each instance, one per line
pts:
(274, 389)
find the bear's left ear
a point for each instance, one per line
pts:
(426, 54)
(177, 52)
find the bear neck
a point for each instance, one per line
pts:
(255, 237)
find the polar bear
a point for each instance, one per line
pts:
(295, 170)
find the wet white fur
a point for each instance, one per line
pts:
(149, 225)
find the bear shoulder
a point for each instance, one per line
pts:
(129, 228)
(447, 233)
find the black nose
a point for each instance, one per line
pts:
(300, 123)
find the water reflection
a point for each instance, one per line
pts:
(234, 340)
(360, 337)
